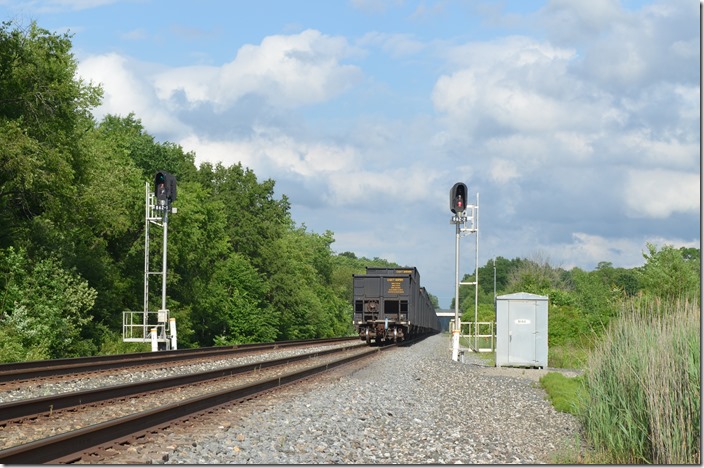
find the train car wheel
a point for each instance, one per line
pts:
(369, 338)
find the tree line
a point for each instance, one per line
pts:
(583, 303)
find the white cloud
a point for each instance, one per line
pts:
(626, 252)
(335, 170)
(511, 51)
(642, 47)
(642, 147)
(403, 186)
(272, 151)
(686, 49)
(126, 90)
(588, 248)
(658, 193)
(576, 21)
(526, 109)
(289, 71)
(517, 84)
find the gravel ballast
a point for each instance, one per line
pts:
(410, 405)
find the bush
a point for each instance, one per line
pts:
(44, 308)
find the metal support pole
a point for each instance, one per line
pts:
(476, 275)
(145, 318)
(456, 329)
(163, 274)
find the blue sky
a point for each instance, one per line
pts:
(577, 121)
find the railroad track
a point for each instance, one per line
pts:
(72, 446)
(19, 371)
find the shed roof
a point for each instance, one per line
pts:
(522, 296)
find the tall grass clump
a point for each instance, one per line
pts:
(643, 385)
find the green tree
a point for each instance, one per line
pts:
(256, 220)
(301, 289)
(38, 84)
(671, 273)
(233, 309)
(43, 111)
(132, 140)
(43, 310)
(536, 276)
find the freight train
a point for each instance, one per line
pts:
(390, 305)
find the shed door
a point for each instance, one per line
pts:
(521, 330)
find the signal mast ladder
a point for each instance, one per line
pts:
(147, 326)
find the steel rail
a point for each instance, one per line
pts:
(69, 447)
(37, 406)
(56, 367)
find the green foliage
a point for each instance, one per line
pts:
(111, 343)
(643, 382)
(255, 219)
(595, 298)
(131, 141)
(34, 179)
(38, 84)
(536, 276)
(232, 309)
(485, 313)
(672, 273)
(42, 110)
(566, 393)
(303, 301)
(44, 308)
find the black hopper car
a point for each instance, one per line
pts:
(390, 305)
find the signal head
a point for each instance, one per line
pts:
(458, 198)
(165, 187)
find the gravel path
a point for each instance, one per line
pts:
(410, 405)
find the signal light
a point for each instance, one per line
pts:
(458, 198)
(165, 187)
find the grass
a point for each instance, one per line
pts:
(567, 356)
(566, 394)
(639, 398)
(643, 385)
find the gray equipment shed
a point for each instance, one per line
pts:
(522, 330)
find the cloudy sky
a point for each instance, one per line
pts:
(576, 121)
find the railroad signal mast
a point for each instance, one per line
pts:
(146, 326)
(462, 214)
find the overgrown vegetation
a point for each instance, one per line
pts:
(643, 384)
